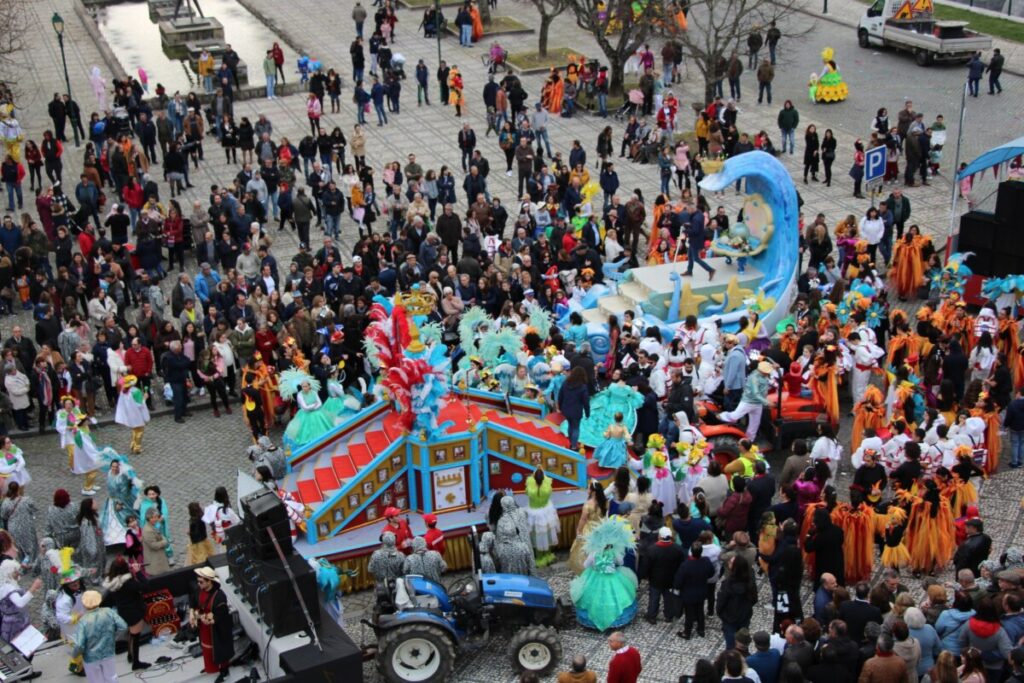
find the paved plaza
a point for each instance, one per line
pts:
(188, 461)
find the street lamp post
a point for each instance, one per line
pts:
(437, 28)
(58, 27)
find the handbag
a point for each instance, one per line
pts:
(856, 171)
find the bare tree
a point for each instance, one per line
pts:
(618, 30)
(548, 9)
(718, 27)
(13, 29)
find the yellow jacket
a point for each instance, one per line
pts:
(700, 128)
(206, 65)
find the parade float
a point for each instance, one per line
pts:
(425, 446)
(755, 264)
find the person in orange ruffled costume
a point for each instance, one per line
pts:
(907, 272)
(930, 530)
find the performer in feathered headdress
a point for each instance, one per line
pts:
(311, 421)
(12, 465)
(605, 593)
(68, 606)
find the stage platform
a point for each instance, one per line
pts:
(651, 288)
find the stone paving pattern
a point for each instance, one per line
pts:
(190, 460)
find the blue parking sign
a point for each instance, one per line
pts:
(874, 164)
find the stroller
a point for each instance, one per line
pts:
(398, 66)
(632, 106)
(497, 56)
(433, 21)
(121, 123)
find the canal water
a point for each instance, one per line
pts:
(136, 42)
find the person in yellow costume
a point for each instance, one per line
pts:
(132, 411)
(456, 98)
(11, 132)
(830, 86)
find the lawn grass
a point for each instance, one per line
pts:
(497, 26)
(993, 26)
(532, 60)
(423, 4)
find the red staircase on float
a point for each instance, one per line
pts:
(320, 477)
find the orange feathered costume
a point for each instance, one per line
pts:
(868, 413)
(907, 273)
(931, 533)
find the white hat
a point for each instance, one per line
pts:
(664, 534)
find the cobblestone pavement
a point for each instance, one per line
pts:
(190, 460)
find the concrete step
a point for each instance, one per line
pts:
(615, 305)
(594, 315)
(633, 291)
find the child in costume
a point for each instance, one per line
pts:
(153, 498)
(132, 411)
(605, 593)
(655, 466)
(542, 517)
(611, 453)
(893, 525)
(12, 465)
(83, 457)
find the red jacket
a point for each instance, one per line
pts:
(133, 196)
(174, 230)
(435, 540)
(86, 240)
(140, 362)
(625, 666)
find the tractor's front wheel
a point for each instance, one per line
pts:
(537, 649)
(417, 653)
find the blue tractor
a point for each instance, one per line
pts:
(421, 626)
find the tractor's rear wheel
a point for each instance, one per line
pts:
(537, 649)
(725, 449)
(417, 653)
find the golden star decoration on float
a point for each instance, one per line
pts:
(689, 302)
(734, 295)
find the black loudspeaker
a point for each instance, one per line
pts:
(1010, 203)
(265, 511)
(978, 231)
(340, 660)
(275, 599)
(980, 261)
(1004, 264)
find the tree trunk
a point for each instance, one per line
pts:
(709, 89)
(485, 12)
(545, 27)
(616, 67)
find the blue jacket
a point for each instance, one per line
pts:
(95, 634)
(735, 371)
(948, 627)
(202, 288)
(975, 68)
(1014, 420)
(691, 582)
(766, 664)
(931, 646)
(574, 401)
(377, 93)
(1014, 626)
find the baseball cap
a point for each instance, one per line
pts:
(665, 534)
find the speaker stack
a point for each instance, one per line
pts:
(995, 239)
(259, 573)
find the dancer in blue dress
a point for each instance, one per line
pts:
(611, 454)
(605, 593)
